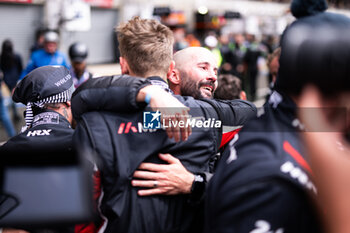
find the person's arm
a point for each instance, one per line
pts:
(234, 112)
(108, 93)
(124, 94)
(328, 151)
(170, 179)
(171, 110)
(120, 94)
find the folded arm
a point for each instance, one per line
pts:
(125, 94)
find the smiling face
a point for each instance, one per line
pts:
(50, 47)
(198, 72)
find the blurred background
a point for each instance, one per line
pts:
(221, 25)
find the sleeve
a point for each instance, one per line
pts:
(233, 112)
(109, 93)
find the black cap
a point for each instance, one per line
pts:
(301, 8)
(43, 82)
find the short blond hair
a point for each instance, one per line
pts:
(146, 44)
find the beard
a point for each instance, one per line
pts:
(191, 88)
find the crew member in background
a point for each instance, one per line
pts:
(78, 53)
(48, 116)
(49, 122)
(229, 88)
(49, 55)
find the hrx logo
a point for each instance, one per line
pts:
(44, 132)
(151, 120)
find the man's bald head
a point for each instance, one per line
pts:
(197, 71)
(183, 56)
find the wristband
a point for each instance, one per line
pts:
(148, 97)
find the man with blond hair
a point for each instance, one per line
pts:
(146, 51)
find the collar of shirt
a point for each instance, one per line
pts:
(156, 80)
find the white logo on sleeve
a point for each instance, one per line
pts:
(233, 152)
(263, 226)
(298, 174)
(44, 132)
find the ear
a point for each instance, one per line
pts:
(173, 74)
(124, 65)
(68, 104)
(243, 95)
(170, 69)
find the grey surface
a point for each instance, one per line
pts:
(20, 25)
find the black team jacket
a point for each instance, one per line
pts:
(263, 182)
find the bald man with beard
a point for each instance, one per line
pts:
(195, 73)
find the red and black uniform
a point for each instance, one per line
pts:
(263, 182)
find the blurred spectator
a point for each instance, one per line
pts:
(239, 51)
(180, 39)
(11, 65)
(229, 60)
(39, 40)
(251, 65)
(273, 65)
(192, 40)
(49, 55)
(4, 115)
(229, 88)
(269, 42)
(78, 53)
(211, 42)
